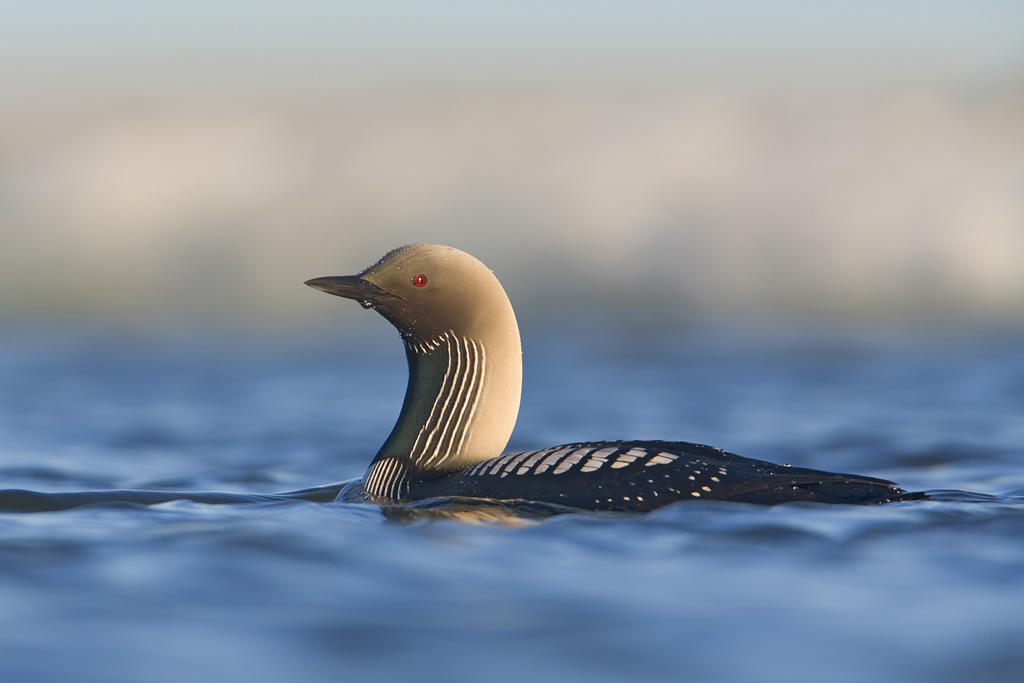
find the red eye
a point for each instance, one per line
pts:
(420, 280)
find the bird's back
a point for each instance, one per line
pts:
(643, 475)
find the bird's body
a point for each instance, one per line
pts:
(644, 475)
(465, 373)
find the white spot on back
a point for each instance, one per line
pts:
(551, 460)
(572, 459)
(501, 461)
(597, 458)
(519, 457)
(628, 457)
(662, 458)
(530, 462)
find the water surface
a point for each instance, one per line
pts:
(300, 590)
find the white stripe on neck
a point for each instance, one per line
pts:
(445, 430)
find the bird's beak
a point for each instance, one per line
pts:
(351, 287)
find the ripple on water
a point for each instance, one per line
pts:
(279, 589)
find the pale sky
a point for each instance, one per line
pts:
(131, 40)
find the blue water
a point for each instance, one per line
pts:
(697, 591)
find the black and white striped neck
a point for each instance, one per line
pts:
(447, 374)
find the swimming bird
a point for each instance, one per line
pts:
(463, 348)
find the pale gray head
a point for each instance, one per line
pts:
(465, 360)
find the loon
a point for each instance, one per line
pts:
(465, 376)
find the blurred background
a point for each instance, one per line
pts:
(819, 206)
(193, 163)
